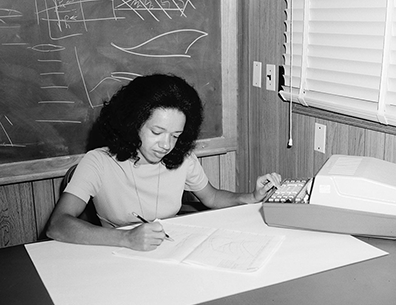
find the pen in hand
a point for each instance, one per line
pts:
(269, 193)
(145, 221)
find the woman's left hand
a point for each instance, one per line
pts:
(266, 183)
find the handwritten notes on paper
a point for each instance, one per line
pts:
(211, 248)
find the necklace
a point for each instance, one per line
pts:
(137, 191)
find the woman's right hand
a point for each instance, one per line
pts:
(145, 237)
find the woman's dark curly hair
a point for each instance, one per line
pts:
(125, 113)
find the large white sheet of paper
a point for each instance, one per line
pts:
(78, 274)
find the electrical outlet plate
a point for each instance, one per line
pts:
(320, 138)
(257, 66)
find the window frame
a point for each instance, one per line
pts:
(328, 114)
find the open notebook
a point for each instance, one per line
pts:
(212, 248)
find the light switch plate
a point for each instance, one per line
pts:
(270, 77)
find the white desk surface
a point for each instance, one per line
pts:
(78, 274)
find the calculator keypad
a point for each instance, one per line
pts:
(288, 191)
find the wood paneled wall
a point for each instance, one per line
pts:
(25, 207)
(262, 125)
(264, 117)
(341, 138)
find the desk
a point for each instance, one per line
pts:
(371, 282)
(368, 282)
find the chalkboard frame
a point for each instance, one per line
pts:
(57, 166)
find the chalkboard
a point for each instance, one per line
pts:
(60, 59)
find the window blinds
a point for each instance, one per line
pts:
(341, 56)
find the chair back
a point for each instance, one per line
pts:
(89, 213)
(67, 177)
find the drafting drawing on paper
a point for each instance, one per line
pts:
(214, 248)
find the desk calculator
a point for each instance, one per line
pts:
(291, 191)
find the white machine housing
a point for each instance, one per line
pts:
(350, 194)
(356, 183)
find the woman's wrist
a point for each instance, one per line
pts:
(251, 198)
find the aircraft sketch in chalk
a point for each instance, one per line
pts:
(144, 48)
(47, 47)
(117, 77)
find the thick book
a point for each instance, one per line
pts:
(211, 248)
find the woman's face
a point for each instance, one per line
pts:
(159, 134)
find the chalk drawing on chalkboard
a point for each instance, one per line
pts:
(61, 65)
(47, 47)
(118, 77)
(197, 34)
(9, 13)
(83, 79)
(59, 121)
(6, 134)
(63, 14)
(149, 6)
(53, 87)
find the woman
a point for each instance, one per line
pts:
(149, 129)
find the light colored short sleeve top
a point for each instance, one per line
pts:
(120, 188)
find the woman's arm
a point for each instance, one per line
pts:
(215, 198)
(64, 225)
